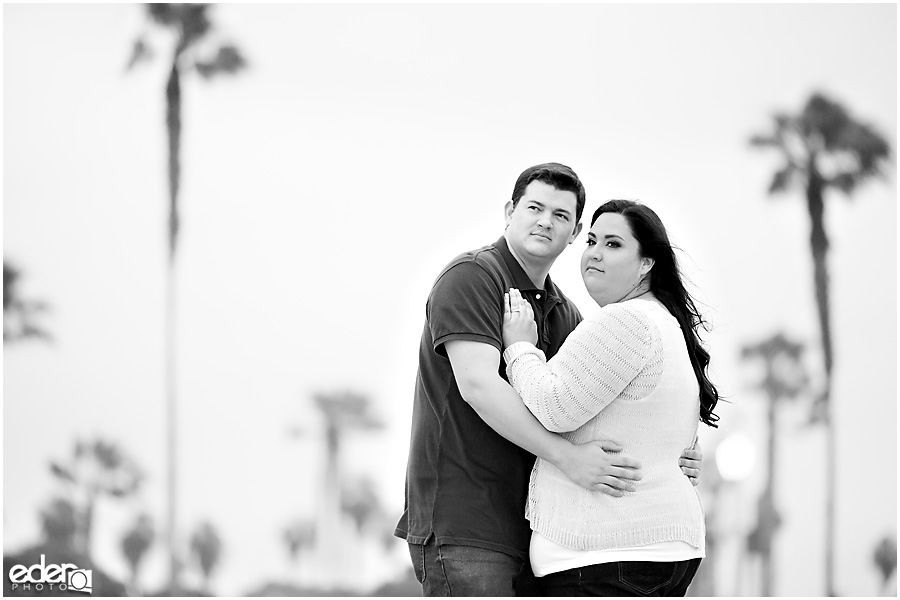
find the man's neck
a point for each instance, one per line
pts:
(537, 273)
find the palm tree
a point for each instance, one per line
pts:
(343, 412)
(299, 535)
(191, 25)
(824, 148)
(885, 558)
(206, 546)
(135, 544)
(785, 379)
(18, 313)
(97, 469)
(361, 502)
(60, 524)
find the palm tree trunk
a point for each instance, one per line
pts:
(768, 565)
(173, 126)
(329, 536)
(88, 524)
(819, 246)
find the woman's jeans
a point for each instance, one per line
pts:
(633, 578)
(469, 571)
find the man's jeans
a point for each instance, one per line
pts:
(469, 571)
(623, 579)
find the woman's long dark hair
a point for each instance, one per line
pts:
(667, 285)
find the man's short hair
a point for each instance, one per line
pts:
(559, 176)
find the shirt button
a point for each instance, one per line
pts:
(538, 296)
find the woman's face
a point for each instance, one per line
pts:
(611, 265)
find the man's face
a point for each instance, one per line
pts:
(542, 223)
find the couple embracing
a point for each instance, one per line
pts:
(550, 454)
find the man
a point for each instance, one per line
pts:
(473, 440)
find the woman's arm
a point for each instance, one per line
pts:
(475, 367)
(595, 363)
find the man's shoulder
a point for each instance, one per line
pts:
(486, 258)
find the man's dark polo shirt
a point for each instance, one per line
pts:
(465, 484)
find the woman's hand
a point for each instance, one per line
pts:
(518, 320)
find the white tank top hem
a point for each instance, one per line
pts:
(549, 557)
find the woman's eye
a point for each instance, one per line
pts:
(591, 242)
(612, 244)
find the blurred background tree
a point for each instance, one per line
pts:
(206, 548)
(784, 380)
(824, 148)
(61, 526)
(343, 412)
(19, 314)
(135, 544)
(96, 469)
(192, 53)
(297, 536)
(885, 557)
(361, 502)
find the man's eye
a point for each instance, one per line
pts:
(563, 217)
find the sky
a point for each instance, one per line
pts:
(326, 186)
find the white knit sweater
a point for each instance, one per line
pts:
(623, 374)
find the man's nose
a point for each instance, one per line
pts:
(545, 221)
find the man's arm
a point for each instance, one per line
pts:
(475, 366)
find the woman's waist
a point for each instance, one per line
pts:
(661, 485)
(639, 435)
(622, 528)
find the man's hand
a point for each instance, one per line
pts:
(690, 462)
(595, 466)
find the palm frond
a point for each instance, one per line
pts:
(822, 117)
(11, 275)
(163, 13)
(227, 61)
(195, 23)
(140, 52)
(782, 179)
(867, 144)
(62, 472)
(846, 182)
(764, 140)
(190, 21)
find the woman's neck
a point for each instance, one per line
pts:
(641, 291)
(638, 292)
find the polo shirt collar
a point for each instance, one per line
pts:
(520, 277)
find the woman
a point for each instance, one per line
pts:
(635, 372)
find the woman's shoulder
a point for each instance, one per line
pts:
(631, 314)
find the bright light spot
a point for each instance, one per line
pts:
(736, 457)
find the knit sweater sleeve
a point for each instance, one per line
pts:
(594, 365)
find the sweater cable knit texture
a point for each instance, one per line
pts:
(622, 374)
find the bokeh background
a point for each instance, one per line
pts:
(332, 159)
